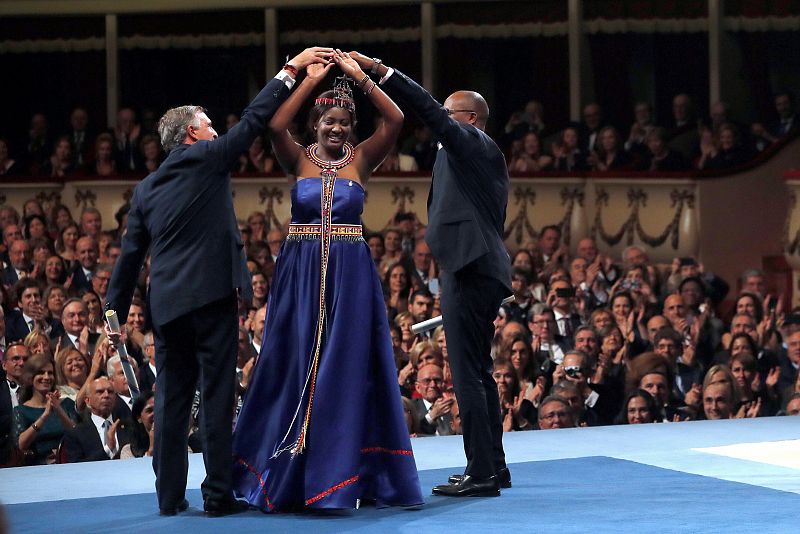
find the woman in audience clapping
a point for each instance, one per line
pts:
(42, 416)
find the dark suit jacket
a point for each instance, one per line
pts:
(6, 419)
(183, 214)
(146, 377)
(121, 410)
(442, 424)
(469, 189)
(17, 328)
(92, 342)
(83, 444)
(79, 280)
(10, 275)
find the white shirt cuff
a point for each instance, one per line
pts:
(428, 418)
(286, 78)
(387, 75)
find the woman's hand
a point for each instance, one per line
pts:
(54, 398)
(348, 65)
(317, 71)
(405, 372)
(537, 392)
(508, 421)
(694, 397)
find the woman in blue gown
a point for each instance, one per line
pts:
(322, 423)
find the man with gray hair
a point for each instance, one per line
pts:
(183, 214)
(123, 404)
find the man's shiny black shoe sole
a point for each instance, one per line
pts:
(182, 507)
(470, 487)
(504, 475)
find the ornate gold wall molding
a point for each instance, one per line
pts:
(632, 227)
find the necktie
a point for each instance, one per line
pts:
(106, 426)
(567, 327)
(30, 325)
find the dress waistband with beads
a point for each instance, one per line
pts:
(339, 232)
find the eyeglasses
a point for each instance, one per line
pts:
(431, 380)
(554, 415)
(452, 111)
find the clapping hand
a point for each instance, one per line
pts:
(441, 406)
(111, 438)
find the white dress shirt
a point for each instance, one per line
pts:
(102, 426)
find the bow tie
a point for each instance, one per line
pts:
(12, 384)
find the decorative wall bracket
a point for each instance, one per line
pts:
(84, 198)
(569, 196)
(400, 195)
(521, 223)
(47, 199)
(632, 227)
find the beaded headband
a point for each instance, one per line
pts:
(342, 96)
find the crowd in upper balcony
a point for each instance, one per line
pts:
(686, 141)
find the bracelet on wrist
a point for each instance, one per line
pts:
(363, 81)
(369, 89)
(291, 69)
(375, 64)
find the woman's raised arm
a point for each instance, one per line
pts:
(374, 149)
(287, 151)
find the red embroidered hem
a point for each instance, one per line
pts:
(330, 490)
(261, 482)
(404, 452)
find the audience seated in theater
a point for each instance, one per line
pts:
(609, 154)
(555, 412)
(142, 433)
(101, 436)
(529, 157)
(123, 403)
(42, 416)
(639, 408)
(432, 410)
(516, 410)
(567, 153)
(104, 163)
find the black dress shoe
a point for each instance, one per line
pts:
(470, 487)
(504, 475)
(182, 507)
(219, 509)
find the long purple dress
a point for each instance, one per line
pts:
(322, 424)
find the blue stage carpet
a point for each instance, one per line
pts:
(692, 477)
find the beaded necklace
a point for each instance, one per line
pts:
(344, 161)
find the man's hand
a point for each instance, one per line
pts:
(111, 438)
(114, 338)
(315, 54)
(440, 407)
(363, 61)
